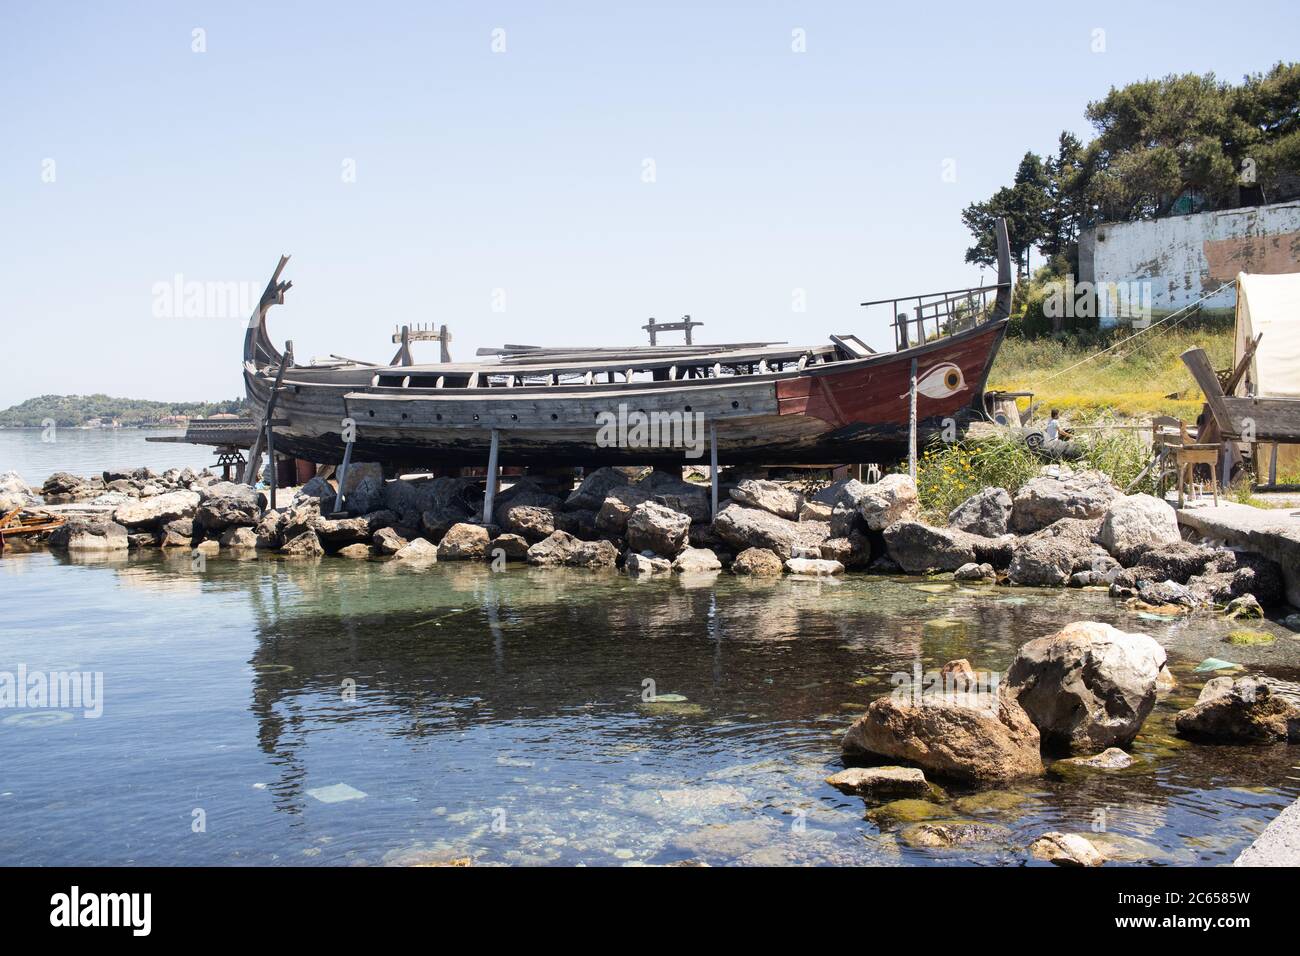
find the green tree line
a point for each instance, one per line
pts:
(73, 410)
(1170, 146)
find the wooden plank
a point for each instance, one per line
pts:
(1198, 363)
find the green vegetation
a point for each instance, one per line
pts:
(1249, 638)
(69, 411)
(1142, 375)
(948, 474)
(1171, 146)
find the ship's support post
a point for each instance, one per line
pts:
(270, 462)
(491, 491)
(911, 424)
(713, 467)
(343, 476)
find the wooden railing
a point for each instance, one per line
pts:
(939, 314)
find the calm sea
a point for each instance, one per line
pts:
(261, 711)
(91, 451)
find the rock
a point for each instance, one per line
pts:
(949, 834)
(696, 561)
(305, 545)
(653, 527)
(758, 562)
(643, 564)
(464, 542)
(881, 783)
(512, 546)
(618, 507)
(742, 527)
(1243, 608)
(1158, 593)
(15, 493)
(918, 548)
(363, 487)
(357, 552)
(239, 537)
(89, 534)
(135, 540)
(319, 488)
(1112, 758)
(533, 522)
(156, 511)
(815, 511)
(1066, 849)
(387, 541)
(225, 503)
(1237, 573)
(336, 532)
(891, 499)
(975, 572)
(1087, 687)
(1132, 524)
(986, 513)
(1175, 561)
(580, 524)
(269, 530)
(595, 488)
(769, 496)
(208, 548)
(1248, 711)
(853, 551)
(180, 533)
(450, 500)
(1046, 499)
(969, 738)
(418, 551)
(562, 548)
(813, 567)
(1041, 563)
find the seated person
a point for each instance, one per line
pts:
(1053, 429)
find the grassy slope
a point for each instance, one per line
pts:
(1131, 380)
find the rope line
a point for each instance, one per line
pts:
(1126, 341)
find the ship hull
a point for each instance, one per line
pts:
(849, 411)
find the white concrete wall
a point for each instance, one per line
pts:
(1167, 264)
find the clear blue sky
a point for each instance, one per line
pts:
(523, 170)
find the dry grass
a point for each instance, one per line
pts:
(1134, 380)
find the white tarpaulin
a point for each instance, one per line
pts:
(1269, 304)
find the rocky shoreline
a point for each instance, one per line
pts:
(1061, 528)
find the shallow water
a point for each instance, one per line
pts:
(499, 716)
(36, 454)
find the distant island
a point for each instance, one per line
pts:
(104, 411)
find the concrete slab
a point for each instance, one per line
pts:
(1273, 532)
(1278, 845)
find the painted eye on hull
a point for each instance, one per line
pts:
(940, 382)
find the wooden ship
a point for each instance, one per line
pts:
(761, 402)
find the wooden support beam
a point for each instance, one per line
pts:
(911, 424)
(490, 494)
(1198, 363)
(713, 467)
(339, 499)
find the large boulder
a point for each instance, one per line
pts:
(340, 532)
(524, 492)
(511, 547)
(653, 527)
(769, 496)
(418, 551)
(1133, 524)
(970, 738)
(533, 522)
(696, 561)
(742, 527)
(1087, 687)
(15, 493)
(758, 562)
(595, 488)
(813, 567)
(89, 534)
(363, 490)
(986, 513)
(618, 507)
(226, 504)
(464, 542)
(409, 498)
(852, 551)
(1048, 498)
(156, 511)
(1245, 710)
(891, 499)
(1177, 561)
(638, 565)
(917, 548)
(1041, 563)
(881, 783)
(305, 545)
(386, 541)
(1238, 573)
(563, 549)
